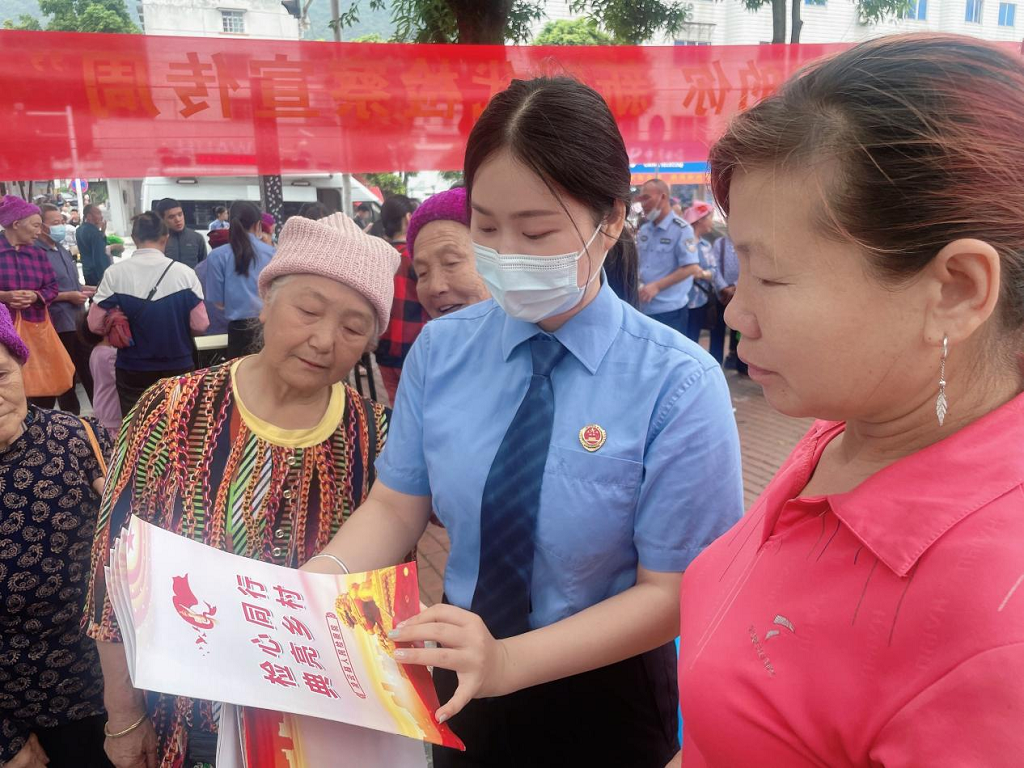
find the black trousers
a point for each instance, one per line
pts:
(244, 337)
(75, 745)
(624, 715)
(132, 384)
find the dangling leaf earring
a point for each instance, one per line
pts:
(940, 404)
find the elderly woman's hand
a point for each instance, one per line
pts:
(136, 749)
(465, 647)
(30, 756)
(22, 299)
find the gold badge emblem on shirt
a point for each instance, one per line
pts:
(691, 244)
(592, 437)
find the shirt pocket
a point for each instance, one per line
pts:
(589, 504)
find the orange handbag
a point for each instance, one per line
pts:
(49, 371)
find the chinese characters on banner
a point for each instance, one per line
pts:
(134, 105)
(257, 635)
(85, 105)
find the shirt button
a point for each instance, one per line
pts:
(294, 461)
(287, 493)
(279, 533)
(278, 551)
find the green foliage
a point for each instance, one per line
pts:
(453, 177)
(373, 37)
(389, 183)
(871, 11)
(573, 32)
(24, 22)
(634, 22)
(80, 16)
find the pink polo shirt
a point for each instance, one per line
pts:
(884, 626)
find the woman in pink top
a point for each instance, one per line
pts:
(869, 608)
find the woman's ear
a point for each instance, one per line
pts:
(966, 280)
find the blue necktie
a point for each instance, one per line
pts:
(511, 499)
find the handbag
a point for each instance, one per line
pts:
(95, 446)
(49, 371)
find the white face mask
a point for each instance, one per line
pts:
(533, 288)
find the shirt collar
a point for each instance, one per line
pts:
(150, 252)
(663, 224)
(587, 335)
(899, 512)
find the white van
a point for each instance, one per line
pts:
(199, 196)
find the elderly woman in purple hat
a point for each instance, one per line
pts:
(28, 285)
(442, 255)
(51, 472)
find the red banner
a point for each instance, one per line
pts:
(86, 106)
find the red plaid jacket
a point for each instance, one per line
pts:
(28, 269)
(407, 316)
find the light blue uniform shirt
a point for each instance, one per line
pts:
(698, 297)
(665, 484)
(663, 248)
(238, 293)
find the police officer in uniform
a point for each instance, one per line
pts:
(579, 454)
(668, 258)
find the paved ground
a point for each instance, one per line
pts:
(766, 439)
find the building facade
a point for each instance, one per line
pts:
(728, 22)
(258, 19)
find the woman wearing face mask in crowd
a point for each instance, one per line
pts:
(556, 417)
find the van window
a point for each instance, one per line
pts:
(199, 213)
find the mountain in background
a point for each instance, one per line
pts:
(319, 15)
(369, 22)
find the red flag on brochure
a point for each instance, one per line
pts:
(207, 624)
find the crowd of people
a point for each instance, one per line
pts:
(539, 333)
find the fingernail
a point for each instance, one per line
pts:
(395, 632)
(400, 654)
(441, 718)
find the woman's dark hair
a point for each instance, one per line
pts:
(923, 145)
(244, 216)
(393, 213)
(85, 333)
(314, 211)
(148, 227)
(564, 132)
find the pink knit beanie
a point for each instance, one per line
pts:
(337, 248)
(444, 206)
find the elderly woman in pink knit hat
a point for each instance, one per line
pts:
(442, 255)
(264, 456)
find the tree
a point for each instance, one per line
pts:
(453, 177)
(573, 32)
(388, 183)
(500, 21)
(870, 11)
(80, 16)
(634, 22)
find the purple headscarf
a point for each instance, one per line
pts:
(10, 338)
(14, 209)
(444, 206)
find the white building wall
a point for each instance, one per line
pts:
(728, 22)
(262, 19)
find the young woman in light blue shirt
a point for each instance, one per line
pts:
(579, 454)
(232, 283)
